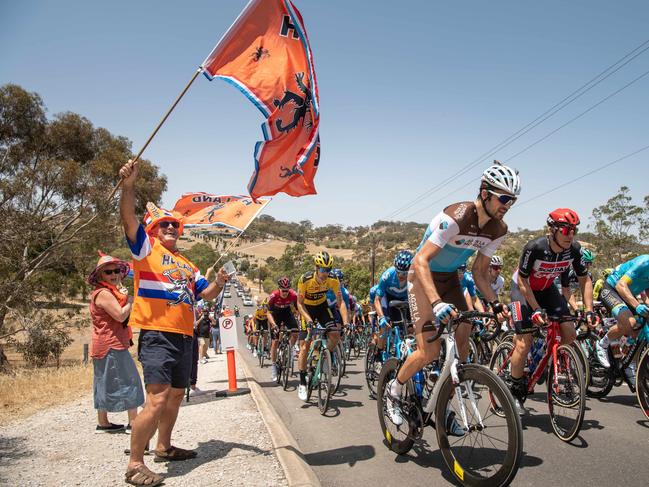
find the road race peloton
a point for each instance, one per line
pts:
(438, 287)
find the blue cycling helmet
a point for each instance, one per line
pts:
(337, 274)
(402, 260)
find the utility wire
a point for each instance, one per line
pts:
(592, 107)
(604, 166)
(534, 123)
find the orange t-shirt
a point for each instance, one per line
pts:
(166, 287)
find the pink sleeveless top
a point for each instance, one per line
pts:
(107, 332)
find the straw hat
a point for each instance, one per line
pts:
(103, 261)
(155, 215)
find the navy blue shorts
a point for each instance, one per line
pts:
(166, 357)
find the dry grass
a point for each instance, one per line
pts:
(31, 390)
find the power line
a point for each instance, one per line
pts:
(592, 107)
(563, 185)
(631, 55)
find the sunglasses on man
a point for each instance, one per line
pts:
(504, 199)
(324, 270)
(566, 229)
(108, 272)
(496, 267)
(165, 224)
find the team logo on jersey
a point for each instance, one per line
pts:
(550, 269)
(460, 211)
(181, 284)
(443, 225)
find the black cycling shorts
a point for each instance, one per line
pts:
(612, 300)
(286, 318)
(319, 314)
(550, 300)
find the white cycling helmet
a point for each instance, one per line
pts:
(496, 260)
(502, 177)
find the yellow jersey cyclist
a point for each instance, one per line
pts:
(261, 324)
(434, 289)
(312, 305)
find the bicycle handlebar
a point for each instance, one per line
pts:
(461, 317)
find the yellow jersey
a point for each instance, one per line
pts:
(314, 291)
(261, 314)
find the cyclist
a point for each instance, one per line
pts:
(312, 304)
(599, 284)
(434, 286)
(371, 313)
(619, 295)
(261, 324)
(468, 288)
(331, 295)
(281, 307)
(542, 260)
(393, 285)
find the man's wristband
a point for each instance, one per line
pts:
(435, 303)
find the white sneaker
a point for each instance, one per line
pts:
(301, 392)
(602, 354)
(204, 361)
(273, 373)
(254, 353)
(453, 428)
(393, 406)
(196, 392)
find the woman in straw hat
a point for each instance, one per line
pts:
(117, 386)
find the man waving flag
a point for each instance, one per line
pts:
(266, 55)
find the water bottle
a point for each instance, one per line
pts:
(418, 380)
(629, 372)
(536, 353)
(431, 380)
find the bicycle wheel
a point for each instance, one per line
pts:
(642, 382)
(356, 344)
(472, 358)
(490, 451)
(372, 369)
(261, 351)
(337, 368)
(566, 398)
(311, 381)
(500, 365)
(280, 364)
(401, 438)
(583, 359)
(602, 379)
(324, 384)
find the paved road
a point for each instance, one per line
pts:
(347, 446)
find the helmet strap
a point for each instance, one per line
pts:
(484, 202)
(552, 234)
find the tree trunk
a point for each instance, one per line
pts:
(5, 366)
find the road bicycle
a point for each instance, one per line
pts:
(394, 337)
(319, 373)
(561, 367)
(490, 450)
(285, 357)
(262, 346)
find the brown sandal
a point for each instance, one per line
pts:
(141, 475)
(174, 454)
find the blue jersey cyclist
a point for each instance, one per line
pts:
(331, 296)
(372, 314)
(620, 294)
(469, 289)
(434, 290)
(393, 285)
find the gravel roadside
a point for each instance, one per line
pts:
(59, 447)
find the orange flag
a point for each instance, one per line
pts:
(204, 210)
(266, 55)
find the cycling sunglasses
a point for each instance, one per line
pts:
(112, 271)
(505, 199)
(496, 267)
(566, 229)
(165, 224)
(324, 269)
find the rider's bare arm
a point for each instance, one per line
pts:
(625, 293)
(526, 291)
(422, 271)
(586, 286)
(480, 270)
(300, 307)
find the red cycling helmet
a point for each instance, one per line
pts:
(283, 283)
(563, 216)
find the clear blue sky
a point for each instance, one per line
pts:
(410, 92)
